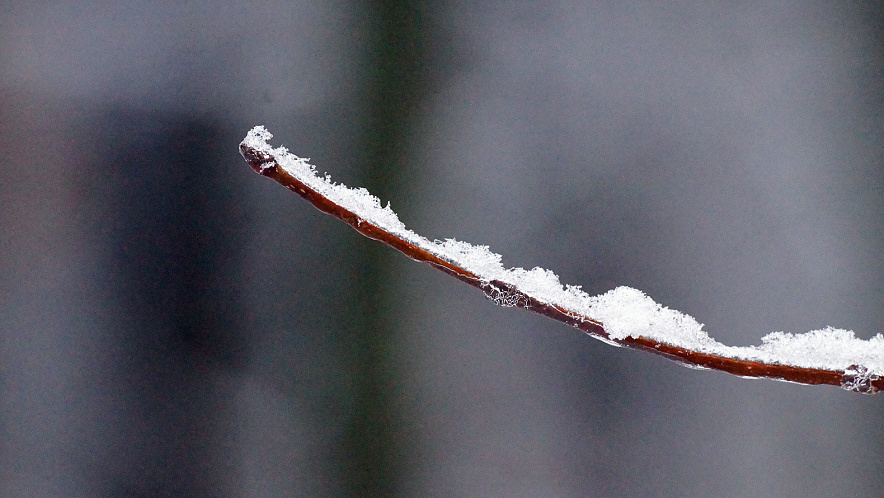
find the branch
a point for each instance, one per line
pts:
(621, 317)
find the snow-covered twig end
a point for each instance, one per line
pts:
(622, 316)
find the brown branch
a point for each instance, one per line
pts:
(855, 378)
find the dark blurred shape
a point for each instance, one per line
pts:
(173, 240)
(176, 246)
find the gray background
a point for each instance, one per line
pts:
(173, 324)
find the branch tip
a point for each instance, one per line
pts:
(258, 160)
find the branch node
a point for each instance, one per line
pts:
(506, 295)
(859, 379)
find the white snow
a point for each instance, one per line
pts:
(625, 312)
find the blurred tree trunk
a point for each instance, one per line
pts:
(395, 84)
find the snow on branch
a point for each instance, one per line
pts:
(620, 317)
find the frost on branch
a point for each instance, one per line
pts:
(622, 316)
(504, 294)
(859, 379)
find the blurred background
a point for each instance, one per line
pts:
(172, 324)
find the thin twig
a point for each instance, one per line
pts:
(854, 378)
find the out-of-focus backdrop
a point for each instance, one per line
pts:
(173, 324)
